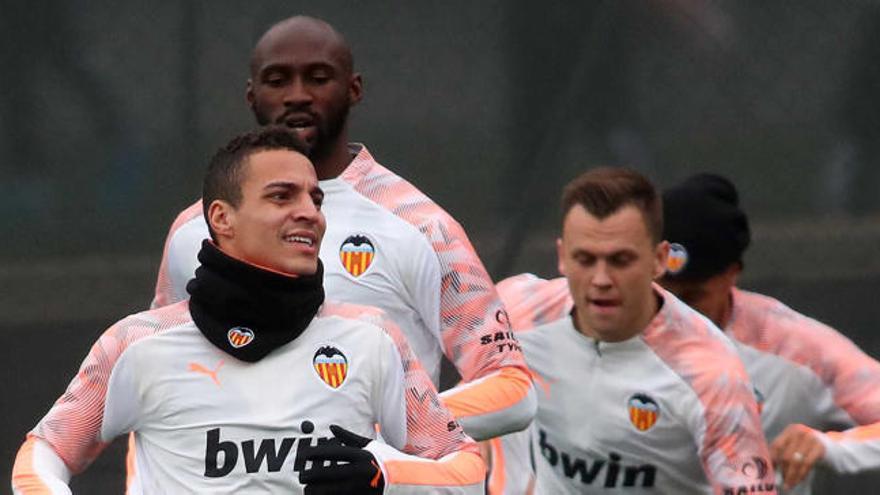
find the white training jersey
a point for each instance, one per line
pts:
(205, 422)
(670, 410)
(388, 245)
(803, 371)
(807, 373)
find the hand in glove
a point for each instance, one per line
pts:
(351, 469)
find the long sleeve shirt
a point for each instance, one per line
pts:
(205, 422)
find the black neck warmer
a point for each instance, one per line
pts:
(247, 311)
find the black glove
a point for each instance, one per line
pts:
(351, 469)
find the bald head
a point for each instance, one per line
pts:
(306, 31)
(302, 77)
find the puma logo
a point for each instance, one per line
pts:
(198, 368)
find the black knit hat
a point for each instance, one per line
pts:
(706, 229)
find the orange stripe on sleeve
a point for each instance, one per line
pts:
(495, 392)
(858, 434)
(496, 477)
(24, 475)
(130, 463)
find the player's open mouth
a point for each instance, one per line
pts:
(303, 124)
(605, 303)
(299, 121)
(300, 126)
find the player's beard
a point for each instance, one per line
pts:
(327, 131)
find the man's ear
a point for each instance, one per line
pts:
(355, 89)
(249, 94)
(560, 256)
(661, 257)
(221, 217)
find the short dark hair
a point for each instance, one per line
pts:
(226, 170)
(605, 190)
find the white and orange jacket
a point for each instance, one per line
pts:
(808, 373)
(670, 410)
(205, 422)
(804, 372)
(388, 245)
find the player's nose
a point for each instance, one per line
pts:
(601, 277)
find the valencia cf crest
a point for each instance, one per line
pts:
(356, 254)
(331, 365)
(643, 411)
(240, 336)
(677, 260)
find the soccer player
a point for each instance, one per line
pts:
(387, 244)
(256, 384)
(812, 378)
(809, 377)
(638, 392)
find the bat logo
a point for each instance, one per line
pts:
(331, 365)
(643, 411)
(356, 254)
(240, 336)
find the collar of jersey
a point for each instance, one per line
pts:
(228, 293)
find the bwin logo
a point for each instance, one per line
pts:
(573, 467)
(256, 455)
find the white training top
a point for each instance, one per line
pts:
(205, 422)
(804, 372)
(670, 410)
(388, 245)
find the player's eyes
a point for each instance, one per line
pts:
(274, 79)
(319, 77)
(585, 260)
(621, 260)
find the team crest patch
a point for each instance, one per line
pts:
(643, 411)
(356, 254)
(677, 260)
(240, 336)
(331, 365)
